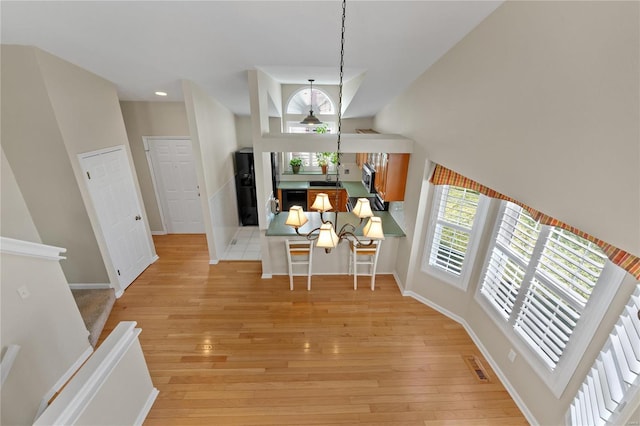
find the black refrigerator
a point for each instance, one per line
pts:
(246, 187)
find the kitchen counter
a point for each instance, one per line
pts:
(277, 227)
(337, 261)
(354, 189)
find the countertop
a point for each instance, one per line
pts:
(354, 189)
(277, 227)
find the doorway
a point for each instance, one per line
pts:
(173, 173)
(112, 190)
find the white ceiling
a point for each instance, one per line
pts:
(144, 46)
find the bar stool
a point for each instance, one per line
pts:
(299, 253)
(366, 255)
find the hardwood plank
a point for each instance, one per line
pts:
(225, 347)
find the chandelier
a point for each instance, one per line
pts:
(325, 235)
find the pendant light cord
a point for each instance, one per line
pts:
(339, 153)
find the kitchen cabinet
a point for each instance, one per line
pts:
(391, 175)
(342, 198)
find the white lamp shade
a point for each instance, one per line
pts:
(373, 229)
(362, 208)
(321, 203)
(327, 237)
(296, 217)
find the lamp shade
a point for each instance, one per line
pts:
(362, 208)
(373, 229)
(296, 217)
(322, 203)
(311, 119)
(327, 237)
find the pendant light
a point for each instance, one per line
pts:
(325, 235)
(311, 119)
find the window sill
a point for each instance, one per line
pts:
(309, 173)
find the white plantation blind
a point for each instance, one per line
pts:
(546, 321)
(502, 282)
(454, 214)
(566, 273)
(539, 280)
(513, 247)
(614, 376)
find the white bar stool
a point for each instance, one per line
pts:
(299, 252)
(366, 255)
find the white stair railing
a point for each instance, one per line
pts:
(112, 387)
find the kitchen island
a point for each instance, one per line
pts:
(335, 262)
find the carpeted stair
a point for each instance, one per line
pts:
(95, 307)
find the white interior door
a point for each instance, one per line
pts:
(111, 186)
(174, 175)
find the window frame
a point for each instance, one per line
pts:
(460, 281)
(558, 377)
(608, 364)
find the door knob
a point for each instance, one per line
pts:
(138, 217)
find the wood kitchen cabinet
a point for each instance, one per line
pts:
(342, 198)
(391, 175)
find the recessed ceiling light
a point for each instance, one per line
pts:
(161, 93)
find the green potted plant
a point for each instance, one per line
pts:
(324, 158)
(295, 164)
(321, 128)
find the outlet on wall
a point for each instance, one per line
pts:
(512, 355)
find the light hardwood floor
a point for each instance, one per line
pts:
(226, 347)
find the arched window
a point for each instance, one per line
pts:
(300, 103)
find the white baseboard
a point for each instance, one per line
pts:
(89, 286)
(485, 353)
(119, 293)
(213, 261)
(158, 232)
(146, 407)
(155, 258)
(63, 380)
(399, 283)
(267, 276)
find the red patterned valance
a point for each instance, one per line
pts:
(628, 262)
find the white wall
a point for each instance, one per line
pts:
(539, 102)
(151, 119)
(212, 129)
(33, 143)
(15, 219)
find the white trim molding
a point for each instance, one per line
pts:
(84, 390)
(144, 411)
(89, 286)
(64, 379)
(30, 249)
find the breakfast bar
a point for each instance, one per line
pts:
(336, 262)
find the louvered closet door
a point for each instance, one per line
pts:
(614, 376)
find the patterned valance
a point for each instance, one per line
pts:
(628, 262)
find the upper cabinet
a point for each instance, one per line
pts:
(391, 175)
(391, 171)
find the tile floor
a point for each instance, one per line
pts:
(245, 245)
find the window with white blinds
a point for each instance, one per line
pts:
(309, 161)
(614, 378)
(539, 280)
(451, 234)
(513, 246)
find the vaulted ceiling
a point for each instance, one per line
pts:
(146, 46)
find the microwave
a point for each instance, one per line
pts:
(368, 178)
